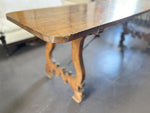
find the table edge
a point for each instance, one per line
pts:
(63, 39)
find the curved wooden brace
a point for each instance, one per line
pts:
(75, 82)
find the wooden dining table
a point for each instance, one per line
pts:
(73, 23)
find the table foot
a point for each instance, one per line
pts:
(78, 96)
(75, 81)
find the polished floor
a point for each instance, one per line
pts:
(116, 82)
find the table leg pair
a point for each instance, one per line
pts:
(76, 82)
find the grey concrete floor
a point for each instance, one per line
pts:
(115, 82)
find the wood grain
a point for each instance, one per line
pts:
(66, 23)
(76, 81)
(74, 23)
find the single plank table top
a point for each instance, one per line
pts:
(66, 23)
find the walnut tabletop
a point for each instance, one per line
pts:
(74, 23)
(66, 23)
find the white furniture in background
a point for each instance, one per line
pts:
(11, 33)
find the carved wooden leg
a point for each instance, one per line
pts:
(125, 31)
(75, 82)
(49, 66)
(122, 39)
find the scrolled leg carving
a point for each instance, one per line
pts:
(75, 82)
(125, 32)
(122, 39)
(50, 65)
